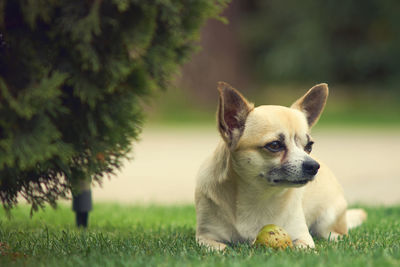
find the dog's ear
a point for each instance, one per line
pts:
(233, 109)
(312, 103)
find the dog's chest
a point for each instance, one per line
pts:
(250, 220)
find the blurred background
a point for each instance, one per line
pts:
(273, 52)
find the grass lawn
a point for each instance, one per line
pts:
(165, 236)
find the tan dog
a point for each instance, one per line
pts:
(262, 173)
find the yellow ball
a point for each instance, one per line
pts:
(273, 236)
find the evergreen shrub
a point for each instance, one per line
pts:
(72, 74)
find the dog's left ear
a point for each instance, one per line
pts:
(312, 103)
(232, 113)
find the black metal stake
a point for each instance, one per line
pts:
(82, 205)
(82, 219)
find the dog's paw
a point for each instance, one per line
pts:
(217, 246)
(212, 244)
(333, 236)
(298, 243)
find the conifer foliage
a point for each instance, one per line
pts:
(71, 77)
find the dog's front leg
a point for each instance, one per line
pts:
(212, 244)
(298, 230)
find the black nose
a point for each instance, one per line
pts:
(310, 167)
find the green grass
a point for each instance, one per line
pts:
(165, 236)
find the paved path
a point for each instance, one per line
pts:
(367, 163)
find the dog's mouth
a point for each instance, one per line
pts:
(297, 182)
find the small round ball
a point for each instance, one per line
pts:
(273, 236)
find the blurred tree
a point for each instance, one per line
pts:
(354, 41)
(71, 77)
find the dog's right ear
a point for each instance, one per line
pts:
(233, 109)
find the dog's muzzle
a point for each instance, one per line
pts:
(291, 175)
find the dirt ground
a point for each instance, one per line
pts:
(366, 162)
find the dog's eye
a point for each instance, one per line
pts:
(308, 147)
(275, 146)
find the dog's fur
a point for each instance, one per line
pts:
(262, 173)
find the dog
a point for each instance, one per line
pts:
(262, 172)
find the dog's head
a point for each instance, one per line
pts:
(270, 144)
